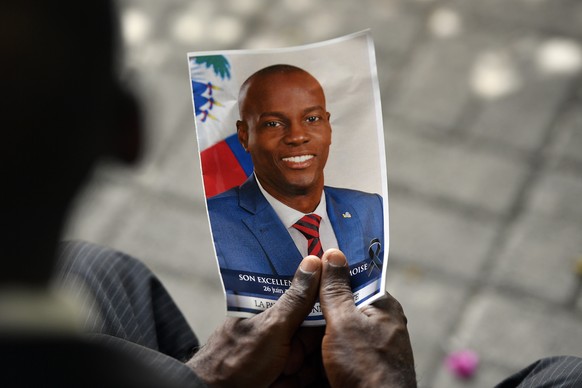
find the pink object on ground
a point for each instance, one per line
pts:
(462, 363)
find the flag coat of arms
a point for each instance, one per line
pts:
(224, 162)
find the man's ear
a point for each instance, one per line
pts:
(329, 122)
(126, 141)
(243, 133)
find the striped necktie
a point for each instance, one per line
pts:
(308, 225)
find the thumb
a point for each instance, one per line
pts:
(335, 293)
(296, 303)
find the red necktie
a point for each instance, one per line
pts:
(308, 225)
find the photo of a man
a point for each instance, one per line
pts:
(284, 211)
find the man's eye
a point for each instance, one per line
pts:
(271, 124)
(312, 119)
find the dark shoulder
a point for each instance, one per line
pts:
(71, 361)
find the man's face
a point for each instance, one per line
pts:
(285, 127)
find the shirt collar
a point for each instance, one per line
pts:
(288, 215)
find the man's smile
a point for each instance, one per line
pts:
(299, 161)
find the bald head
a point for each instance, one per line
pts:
(64, 108)
(58, 85)
(265, 75)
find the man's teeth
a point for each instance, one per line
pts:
(298, 159)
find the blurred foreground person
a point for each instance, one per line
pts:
(62, 109)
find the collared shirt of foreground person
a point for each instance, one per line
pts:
(284, 125)
(62, 117)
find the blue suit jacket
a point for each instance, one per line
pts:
(249, 236)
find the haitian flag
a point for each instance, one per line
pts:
(223, 160)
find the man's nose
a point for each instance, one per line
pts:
(296, 134)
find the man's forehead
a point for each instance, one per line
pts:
(293, 77)
(281, 88)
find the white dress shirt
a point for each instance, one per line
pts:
(290, 216)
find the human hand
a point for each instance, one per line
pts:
(304, 366)
(362, 347)
(257, 351)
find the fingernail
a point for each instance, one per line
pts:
(309, 265)
(336, 259)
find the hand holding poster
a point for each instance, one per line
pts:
(280, 183)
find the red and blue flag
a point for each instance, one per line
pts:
(224, 162)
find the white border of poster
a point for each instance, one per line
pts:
(346, 69)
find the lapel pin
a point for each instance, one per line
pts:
(346, 215)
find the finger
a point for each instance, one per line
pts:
(296, 357)
(335, 293)
(312, 374)
(311, 338)
(388, 304)
(296, 303)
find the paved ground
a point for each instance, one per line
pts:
(483, 132)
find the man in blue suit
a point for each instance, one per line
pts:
(285, 127)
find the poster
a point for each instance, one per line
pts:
(283, 135)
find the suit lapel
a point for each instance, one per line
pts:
(346, 226)
(281, 253)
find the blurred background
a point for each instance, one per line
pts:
(483, 127)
